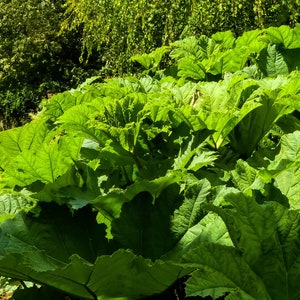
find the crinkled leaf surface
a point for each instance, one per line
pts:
(223, 105)
(272, 62)
(191, 211)
(11, 204)
(211, 229)
(268, 237)
(221, 269)
(44, 164)
(286, 167)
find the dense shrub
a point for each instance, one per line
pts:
(34, 58)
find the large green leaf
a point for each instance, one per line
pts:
(144, 224)
(286, 168)
(59, 104)
(190, 47)
(289, 155)
(45, 164)
(79, 125)
(223, 105)
(210, 229)
(267, 235)
(110, 203)
(191, 211)
(272, 62)
(257, 123)
(193, 158)
(221, 270)
(33, 247)
(285, 35)
(137, 277)
(225, 38)
(189, 68)
(151, 60)
(71, 253)
(17, 140)
(250, 42)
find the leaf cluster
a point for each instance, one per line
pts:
(181, 182)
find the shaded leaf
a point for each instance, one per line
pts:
(220, 269)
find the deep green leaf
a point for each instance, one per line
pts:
(221, 269)
(137, 277)
(272, 62)
(144, 224)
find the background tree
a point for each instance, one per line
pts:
(34, 58)
(117, 30)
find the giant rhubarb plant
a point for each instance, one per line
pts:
(184, 183)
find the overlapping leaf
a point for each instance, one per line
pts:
(267, 235)
(286, 167)
(45, 164)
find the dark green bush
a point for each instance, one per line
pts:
(34, 58)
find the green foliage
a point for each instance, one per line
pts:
(208, 17)
(34, 59)
(50, 46)
(117, 30)
(170, 183)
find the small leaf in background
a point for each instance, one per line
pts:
(151, 60)
(189, 68)
(272, 63)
